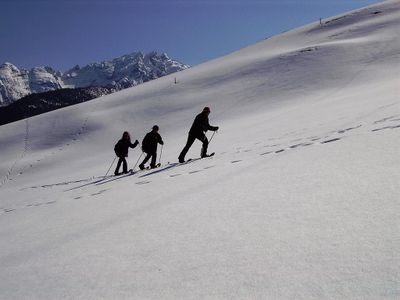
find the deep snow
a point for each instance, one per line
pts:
(301, 200)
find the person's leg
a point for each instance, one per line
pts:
(204, 139)
(141, 166)
(124, 165)
(153, 159)
(118, 165)
(189, 143)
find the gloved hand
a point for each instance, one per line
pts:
(216, 128)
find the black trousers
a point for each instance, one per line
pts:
(153, 156)
(124, 165)
(191, 138)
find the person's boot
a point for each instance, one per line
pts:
(203, 152)
(141, 167)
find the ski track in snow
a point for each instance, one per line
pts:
(386, 123)
(74, 138)
(6, 178)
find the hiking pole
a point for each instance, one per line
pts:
(211, 137)
(133, 169)
(110, 166)
(159, 160)
(209, 142)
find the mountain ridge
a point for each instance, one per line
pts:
(125, 71)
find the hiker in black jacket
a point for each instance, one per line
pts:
(197, 131)
(149, 146)
(121, 150)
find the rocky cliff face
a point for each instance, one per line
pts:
(14, 83)
(119, 73)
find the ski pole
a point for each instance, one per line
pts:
(110, 166)
(211, 137)
(133, 169)
(202, 149)
(159, 160)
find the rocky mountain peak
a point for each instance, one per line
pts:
(121, 72)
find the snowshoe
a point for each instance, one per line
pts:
(209, 155)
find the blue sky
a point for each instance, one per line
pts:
(63, 33)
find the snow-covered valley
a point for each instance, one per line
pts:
(300, 201)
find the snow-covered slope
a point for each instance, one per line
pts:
(122, 72)
(301, 200)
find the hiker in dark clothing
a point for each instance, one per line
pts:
(121, 150)
(149, 146)
(197, 131)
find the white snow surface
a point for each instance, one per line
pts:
(300, 201)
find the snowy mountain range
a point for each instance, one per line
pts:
(300, 200)
(119, 73)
